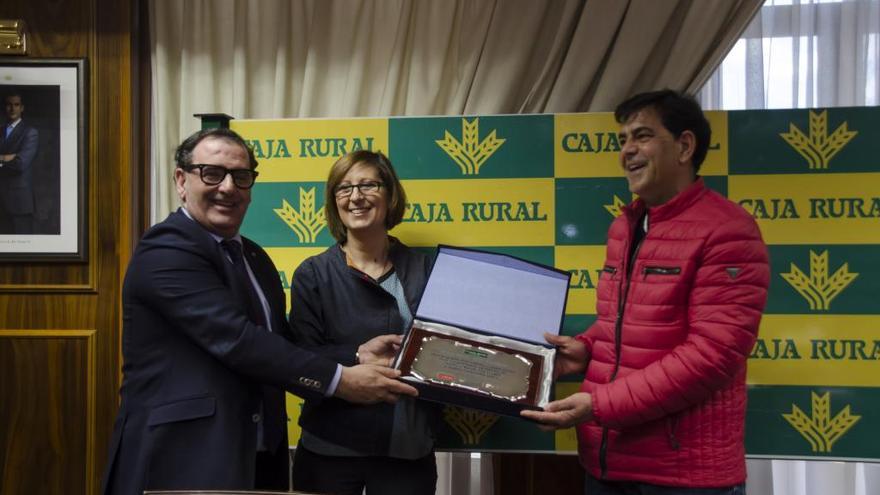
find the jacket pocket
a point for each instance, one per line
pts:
(608, 271)
(182, 410)
(661, 270)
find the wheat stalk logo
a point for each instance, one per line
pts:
(470, 425)
(819, 147)
(820, 429)
(819, 289)
(616, 207)
(470, 154)
(306, 222)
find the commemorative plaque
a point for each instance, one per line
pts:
(477, 337)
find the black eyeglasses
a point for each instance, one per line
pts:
(371, 187)
(214, 174)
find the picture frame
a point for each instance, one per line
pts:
(43, 169)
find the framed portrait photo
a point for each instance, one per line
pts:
(43, 170)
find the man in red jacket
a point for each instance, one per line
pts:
(662, 406)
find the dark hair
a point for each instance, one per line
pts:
(678, 112)
(396, 196)
(12, 93)
(183, 155)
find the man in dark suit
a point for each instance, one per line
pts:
(206, 345)
(18, 147)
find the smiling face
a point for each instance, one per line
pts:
(657, 165)
(220, 208)
(363, 214)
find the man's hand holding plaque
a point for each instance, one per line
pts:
(571, 355)
(564, 413)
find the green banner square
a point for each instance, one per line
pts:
(266, 227)
(834, 279)
(834, 140)
(487, 147)
(582, 209)
(769, 433)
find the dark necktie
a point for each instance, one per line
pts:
(255, 308)
(273, 398)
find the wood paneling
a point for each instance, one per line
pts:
(537, 474)
(59, 386)
(48, 411)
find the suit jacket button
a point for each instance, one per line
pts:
(255, 418)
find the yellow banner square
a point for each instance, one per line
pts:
(303, 150)
(816, 350)
(716, 158)
(294, 410)
(585, 264)
(287, 260)
(478, 212)
(566, 440)
(586, 145)
(811, 208)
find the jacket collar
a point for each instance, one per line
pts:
(681, 202)
(396, 253)
(395, 249)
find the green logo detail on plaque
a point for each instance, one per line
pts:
(818, 288)
(820, 429)
(616, 207)
(306, 222)
(819, 147)
(470, 424)
(470, 153)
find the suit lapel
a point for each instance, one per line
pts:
(212, 249)
(262, 271)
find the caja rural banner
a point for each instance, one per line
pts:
(546, 188)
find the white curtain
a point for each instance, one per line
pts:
(804, 54)
(346, 58)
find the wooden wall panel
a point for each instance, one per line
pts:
(59, 386)
(48, 411)
(537, 474)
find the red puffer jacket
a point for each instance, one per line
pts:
(669, 347)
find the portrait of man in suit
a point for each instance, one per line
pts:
(18, 148)
(206, 344)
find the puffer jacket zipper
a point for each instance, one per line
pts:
(670, 433)
(622, 292)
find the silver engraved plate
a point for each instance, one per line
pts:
(472, 367)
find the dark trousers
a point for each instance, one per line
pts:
(350, 475)
(595, 486)
(272, 470)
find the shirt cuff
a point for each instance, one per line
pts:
(335, 382)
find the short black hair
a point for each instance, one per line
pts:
(183, 155)
(12, 93)
(678, 112)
